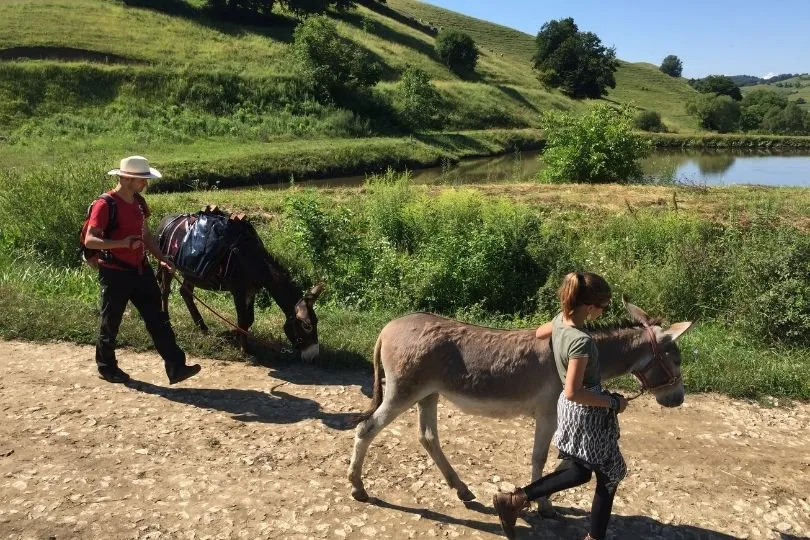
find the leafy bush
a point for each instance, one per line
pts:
(672, 66)
(717, 112)
(649, 121)
(416, 100)
(457, 51)
(575, 62)
(334, 66)
(597, 147)
(768, 280)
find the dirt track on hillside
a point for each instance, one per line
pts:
(244, 451)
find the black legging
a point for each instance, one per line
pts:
(570, 474)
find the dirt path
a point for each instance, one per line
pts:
(231, 454)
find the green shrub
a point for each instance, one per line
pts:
(457, 51)
(416, 100)
(334, 65)
(599, 146)
(649, 121)
(768, 279)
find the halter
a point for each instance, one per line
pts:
(657, 358)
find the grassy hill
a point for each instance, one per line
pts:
(97, 78)
(793, 88)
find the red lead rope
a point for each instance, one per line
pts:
(224, 319)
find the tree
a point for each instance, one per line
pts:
(333, 65)
(457, 51)
(719, 85)
(597, 147)
(756, 105)
(575, 62)
(720, 113)
(416, 100)
(792, 120)
(672, 66)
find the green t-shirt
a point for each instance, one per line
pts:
(568, 341)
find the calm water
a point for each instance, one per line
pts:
(690, 167)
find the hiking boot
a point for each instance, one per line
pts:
(508, 506)
(114, 375)
(182, 373)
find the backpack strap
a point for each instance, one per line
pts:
(112, 209)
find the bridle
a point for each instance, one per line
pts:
(642, 373)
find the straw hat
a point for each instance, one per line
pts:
(135, 167)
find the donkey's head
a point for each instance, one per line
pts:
(301, 325)
(659, 370)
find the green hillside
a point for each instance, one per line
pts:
(96, 77)
(793, 88)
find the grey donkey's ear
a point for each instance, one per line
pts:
(677, 329)
(636, 312)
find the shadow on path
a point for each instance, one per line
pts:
(488, 527)
(275, 407)
(572, 523)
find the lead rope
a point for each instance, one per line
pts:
(223, 318)
(654, 347)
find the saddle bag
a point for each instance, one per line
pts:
(206, 242)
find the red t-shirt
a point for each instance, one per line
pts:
(130, 219)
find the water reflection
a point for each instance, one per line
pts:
(701, 167)
(716, 167)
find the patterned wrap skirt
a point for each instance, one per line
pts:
(590, 435)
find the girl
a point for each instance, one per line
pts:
(587, 433)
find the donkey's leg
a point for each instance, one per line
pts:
(244, 303)
(187, 291)
(545, 424)
(365, 433)
(429, 437)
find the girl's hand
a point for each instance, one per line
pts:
(622, 401)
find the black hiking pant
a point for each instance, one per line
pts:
(141, 288)
(571, 473)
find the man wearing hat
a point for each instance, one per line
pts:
(125, 275)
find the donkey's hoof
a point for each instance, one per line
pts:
(359, 494)
(204, 329)
(465, 494)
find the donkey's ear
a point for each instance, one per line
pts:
(678, 329)
(636, 312)
(316, 291)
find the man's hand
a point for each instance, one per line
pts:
(132, 242)
(168, 266)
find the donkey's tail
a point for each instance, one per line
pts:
(377, 397)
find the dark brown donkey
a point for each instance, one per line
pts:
(243, 271)
(501, 374)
